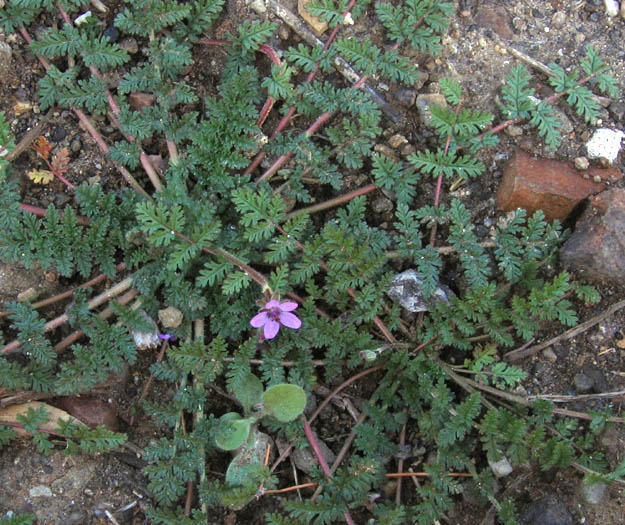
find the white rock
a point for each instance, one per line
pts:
(40, 491)
(406, 289)
(594, 493)
(500, 468)
(605, 143)
(611, 7)
(258, 6)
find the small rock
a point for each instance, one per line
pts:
(305, 459)
(611, 8)
(382, 205)
(500, 468)
(605, 143)
(61, 198)
(170, 317)
(40, 491)
(549, 185)
(495, 18)
(284, 32)
(6, 57)
(593, 494)
(130, 45)
(75, 145)
(21, 106)
(383, 149)
(581, 163)
(397, 140)
(58, 134)
(27, 295)
(318, 26)
(599, 381)
(141, 100)
(91, 411)
(406, 289)
(550, 355)
(514, 131)
(145, 340)
(112, 33)
(582, 383)
(405, 96)
(258, 6)
(617, 108)
(425, 102)
(408, 149)
(558, 19)
(622, 9)
(597, 247)
(549, 510)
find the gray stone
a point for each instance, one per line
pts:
(549, 510)
(550, 355)
(40, 491)
(558, 19)
(406, 288)
(425, 103)
(593, 494)
(305, 459)
(597, 247)
(500, 468)
(6, 57)
(582, 382)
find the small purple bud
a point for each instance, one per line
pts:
(166, 337)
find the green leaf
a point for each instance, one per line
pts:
(232, 431)
(249, 391)
(284, 402)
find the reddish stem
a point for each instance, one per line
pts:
(40, 212)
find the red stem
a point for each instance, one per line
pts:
(40, 212)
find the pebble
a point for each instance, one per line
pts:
(617, 108)
(611, 8)
(61, 198)
(406, 290)
(558, 19)
(397, 140)
(40, 491)
(382, 205)
(550, 355)
(112, 33)
(425, 102)
(581, 163)
(500, 468)
(593, 494)
(170, 317)
(582, 382)
(75, 145)
(623, 9)
(58, 134)
(284, 32)
(130, 45)
(514, 131)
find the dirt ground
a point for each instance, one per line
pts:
(78, 489)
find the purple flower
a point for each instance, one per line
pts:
(166, 337)
(273, 315)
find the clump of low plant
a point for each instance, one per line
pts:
(231, 225)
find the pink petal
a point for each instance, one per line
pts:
(272, 304)
(290, 320)
(289, 306)
(271, 329)
(259, 320)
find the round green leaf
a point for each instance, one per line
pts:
(232, 431)
(249, 391)
(244, 468)
(284, 402)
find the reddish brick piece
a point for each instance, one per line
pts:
(91, 411)
(141, 100)
(553, 186)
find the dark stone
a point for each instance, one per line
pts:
(58, 134)
(597, 247)
(618, 110)
(583, 383)
(112, 33)
(549, 510)
(600, 383)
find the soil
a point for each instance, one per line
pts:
(79, 489)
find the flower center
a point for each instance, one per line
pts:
(274, 314)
